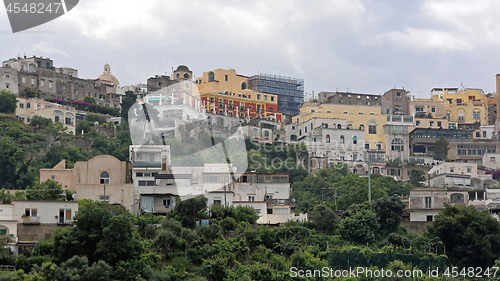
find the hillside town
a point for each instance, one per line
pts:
(228, 137)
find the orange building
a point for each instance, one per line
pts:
(225, 92)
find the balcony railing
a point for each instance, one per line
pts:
(278, 202)
(31, 220)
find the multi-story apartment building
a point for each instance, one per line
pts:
(227, 93)
(394, 101)
(264, 130)
(289, 91)
(467, 106)
(460, 175)
(8, 80)
(39, 74)
(363, 117)
(27, 108)
(161, 81)
(102, 178)
(30, 221)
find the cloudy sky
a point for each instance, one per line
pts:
(363, 46)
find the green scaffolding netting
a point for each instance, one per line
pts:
(380, 260)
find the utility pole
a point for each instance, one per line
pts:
(369, 182)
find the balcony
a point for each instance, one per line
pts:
(31, 220)
(160, 209)
(144, 164)
(278, 202)
(64, 222)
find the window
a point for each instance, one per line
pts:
(419, 108)
(492, 159)
(342, 139)
(439, 123)
(265, 97)
(251, 198)
(431, 123)
(460, 116)
(429, 218)
(367, 146)
(379, 146)
(469, 170)
(104, 198)
(139, 174)
(339, 126)
(319, 165)
(269, 211)
(372, 113)
(104, 177)
(433, 109)
(372, 128)
(243, 86)
(272, 98)
(151, 157)
(328, 111)
(32, 81)
(225, 77)
(258, 97)
(50, 84)
(476, 115)
(398, 94)
(345, 112)
(417, 123)
(30, 212)
(328, 138)
(211, 76)
(452, 170)
(448, 115)
(41, 82)
(361, 113)
(397, 145)
(21, 105)
(459, 101)
(24, 79)
(428, 202)
(354, 140)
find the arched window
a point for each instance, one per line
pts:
(476, 115)
(461, 116)
(397, 145)
(342, 139)
(293, 138)
(177, 75)
(372, 128)
(448, 115)
(211, 76)
(339, 126)
(243, 86)
(328, 138)
(354, 140)
(104, 177)
(326, 125)
(58, 116)
(457, 198)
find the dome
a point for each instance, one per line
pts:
(182, 68)
(108, 77)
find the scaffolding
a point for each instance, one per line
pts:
(290, 91)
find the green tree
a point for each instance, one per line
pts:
(29, 93)
(471, 237)
(8, 102)
(128, 100)
(416, 177)
(40, 122)
(323, 218)
(361, 227)
(48, 190)
(189, 236)
(389, 211)
(187, 211)
(95, 117)
(441, 149)
(89, 99)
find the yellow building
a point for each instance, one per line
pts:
(225, 92)
(367, 118)
(466, 106)
(222, 81)
(27, 108)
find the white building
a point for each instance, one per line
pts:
(9, 80)
(459, 175)
(426, 203)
